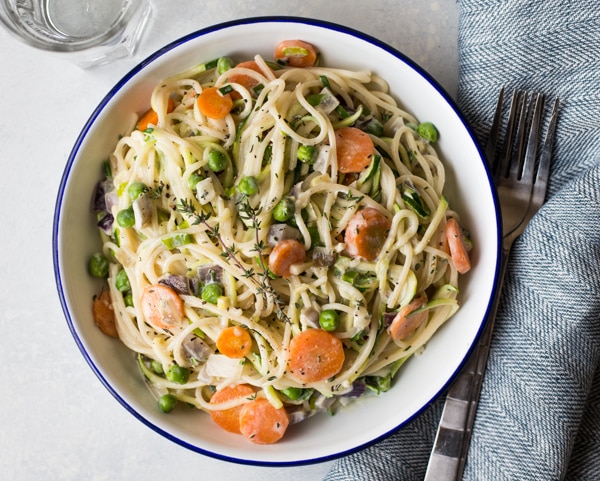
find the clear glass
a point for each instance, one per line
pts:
(89, 32)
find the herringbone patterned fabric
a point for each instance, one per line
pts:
(539, 414)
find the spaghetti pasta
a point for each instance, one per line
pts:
(250, 220)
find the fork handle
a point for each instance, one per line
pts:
(449, 453)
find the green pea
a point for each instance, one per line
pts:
(211, 292)
(136, 189)
(224, 64)
(98, 265)
(293, 393)
(167, 403)
(122, 281)
(217, 161)
(178, 374)
(157, 367)
(248, 185)
(329, 320)
(428, 131)
(128, 298)
(284, 210)
(194, 179)
(126, 217)
(306, 153)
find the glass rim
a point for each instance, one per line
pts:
(44, 39)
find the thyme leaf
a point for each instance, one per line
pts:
(262, 278)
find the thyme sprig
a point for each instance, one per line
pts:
(265, 288)
(250, 215)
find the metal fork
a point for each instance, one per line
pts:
(521, 180)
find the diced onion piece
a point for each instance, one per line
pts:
(221, 366)
(205, 191)
(328, 101)
(142, 211)
(322, 159)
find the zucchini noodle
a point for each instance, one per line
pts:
(193, 227)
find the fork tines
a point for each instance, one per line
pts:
(525, 116)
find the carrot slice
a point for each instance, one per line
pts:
(316, 355)
(104, 314)
(229, 419)
(262, 423)
(285, 254)
(406, 321)
(213, 104)
(245, 80)
(234, 342)
(296, 53)
(150, 117)
(354, 149)
(161, 306)
(366, 233)
(459, 252)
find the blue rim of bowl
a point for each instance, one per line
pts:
(149, 60)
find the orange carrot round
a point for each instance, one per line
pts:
(262, 423)
(459, 252)
(315, 355)
(229, 419)
(406, 321)
(285, 254)
(354, 149)
(296, 53)
(234, 342)
(366, 233)
(213, 104)
(104, 314)
(162, 307)
(150, 117)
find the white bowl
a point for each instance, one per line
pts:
(423, 378)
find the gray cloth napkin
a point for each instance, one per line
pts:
(539, 412)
